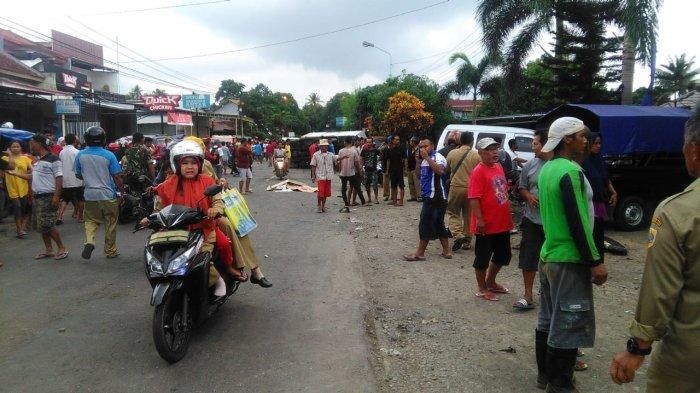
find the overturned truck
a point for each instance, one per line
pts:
(642, 146)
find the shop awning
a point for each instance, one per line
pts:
(179, 119)
(26, 88)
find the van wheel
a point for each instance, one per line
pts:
(631, 213)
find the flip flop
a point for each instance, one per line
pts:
(344, 210)
(580, 366)
(413, 257)
(523, 304)
(487, 296)
(62, 255)
(446, 256)
(44, 255)
(498, 289)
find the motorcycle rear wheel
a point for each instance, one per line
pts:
(171, 334)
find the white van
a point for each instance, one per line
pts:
(522, 136)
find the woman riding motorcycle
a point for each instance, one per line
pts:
(186, 187)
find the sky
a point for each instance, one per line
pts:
(419, 35)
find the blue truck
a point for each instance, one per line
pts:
(642, 147)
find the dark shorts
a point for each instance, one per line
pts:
(432, 220)
(530, 245)
(371, 180)
(566, 305)
(45, 214)
(73, 194)
(493, 247)
(20, 207)
(396, 180)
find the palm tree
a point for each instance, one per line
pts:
(135, 93)
(469, 78)
(313, 99)
(678, 76)
(639, 20)
(530, 19)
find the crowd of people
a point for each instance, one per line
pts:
(566, 192)
(38, 184)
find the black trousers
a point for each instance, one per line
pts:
(355, 184)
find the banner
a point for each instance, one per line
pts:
(67, 107)
(237, 212)
(179, 119)
(196, 101)
(164, 103)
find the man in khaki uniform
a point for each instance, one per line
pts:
(461, 162)
(668, 309)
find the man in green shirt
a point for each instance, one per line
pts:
(569, 259)
(668, 309)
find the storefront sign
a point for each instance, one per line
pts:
(196, 101)
(68, 80)
(67, 107)
(162, 103)
(179, 119)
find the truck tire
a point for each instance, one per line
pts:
(631, 213)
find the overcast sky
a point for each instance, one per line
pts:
(326, 64)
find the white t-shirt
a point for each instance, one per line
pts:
(324, 163)
(347, 166)
(67, 157)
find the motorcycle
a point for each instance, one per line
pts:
(280, 168)
(178, 272)
(136, 204)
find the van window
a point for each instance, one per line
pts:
(524, 144)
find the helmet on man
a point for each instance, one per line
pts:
(95, 136)
(186, 148)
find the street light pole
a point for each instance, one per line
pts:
(367, 44)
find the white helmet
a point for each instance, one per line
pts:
(7, 124)
(185, 149)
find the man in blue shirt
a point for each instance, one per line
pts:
(432, 222)
(100, 171)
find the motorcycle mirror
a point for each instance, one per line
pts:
(212, 190)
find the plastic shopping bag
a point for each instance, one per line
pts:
(237, 212)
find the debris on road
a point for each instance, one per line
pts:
(291, 185)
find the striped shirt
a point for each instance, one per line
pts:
(432, 185)
(44, 174)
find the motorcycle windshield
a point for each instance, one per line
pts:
(178, 216)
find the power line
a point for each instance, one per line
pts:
(432, 65)
(42, 36)
(303, 37)
(181, 75)
(157, 8)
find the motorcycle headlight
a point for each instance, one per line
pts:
(154, 264)
(178, 265)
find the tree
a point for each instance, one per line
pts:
(406, 116)
(678, 76)
(639, 20)
(469, 77)
(314, 100)
(333, 109)
(158, 92)
(135, 93)
(313, 112)
(229, 89)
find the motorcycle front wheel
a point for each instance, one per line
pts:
(171, 333)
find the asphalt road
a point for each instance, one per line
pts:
(76, 325)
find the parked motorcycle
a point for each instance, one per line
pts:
(137, 204)
(179, 274)
(280, 168)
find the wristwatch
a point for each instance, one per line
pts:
(633, 348)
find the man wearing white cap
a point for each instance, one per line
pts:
(323, 165)
(491, 220)
(569, 259)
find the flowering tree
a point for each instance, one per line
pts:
(406, 115)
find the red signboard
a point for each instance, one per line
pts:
(162, 103)
(179, 119)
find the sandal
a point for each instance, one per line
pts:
(344, 209)
(62, 255)
(498, 289)
(44, 255)
(413, 257)
(241, 276)
(523, 304)
(580, 366)
(446, 256)
(488, 295)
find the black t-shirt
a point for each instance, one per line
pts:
(370, 158)
(4, 165)
(396, 155)
(411, 159)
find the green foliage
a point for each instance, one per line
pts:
(274, 112)
(229, 89)
(678, 77)
(660, 96)
(135, 93)
(313, 112)
(158, 92)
